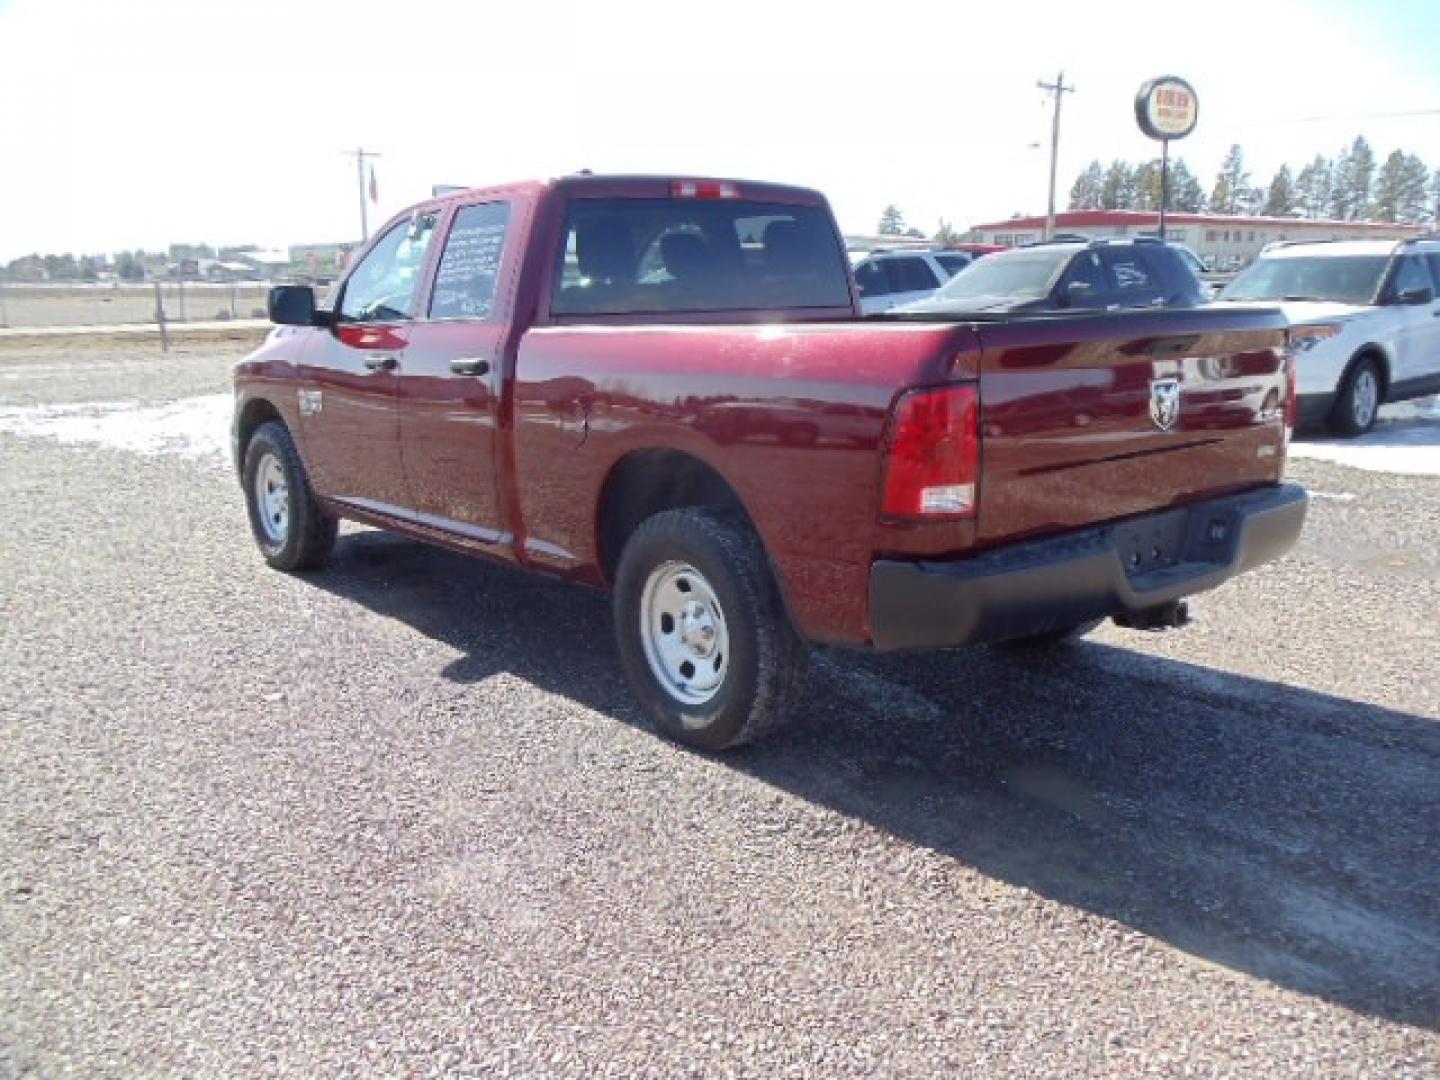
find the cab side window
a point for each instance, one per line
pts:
(382, 286)
(470, 263)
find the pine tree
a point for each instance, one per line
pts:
(1230, 183)
(1353, 178)
(1118, 191)
(1086, 192)
(892, 222)
(1186, 194)
(1280, 199)
(1400, 189)
(1435, 199)
(1146, 180)
(945, 235)
(1312, 187)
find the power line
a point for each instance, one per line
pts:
(1339, 117)
(1056, 91)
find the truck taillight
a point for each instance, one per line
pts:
(932, 464)
(704, 189)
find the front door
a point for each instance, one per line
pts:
(349, 376)
(449, 386)
(1417, 339)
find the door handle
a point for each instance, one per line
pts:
(382, 361)
(470, 365)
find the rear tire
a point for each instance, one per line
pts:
(290, 529)
(704, 636)
(1358, 401)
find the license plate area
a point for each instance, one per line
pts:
(1155, 542)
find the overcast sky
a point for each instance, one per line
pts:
(132, 123)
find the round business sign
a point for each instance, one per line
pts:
(1167, 108)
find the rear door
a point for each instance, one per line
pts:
(1091, 418)
(449, 385)
(348, 405)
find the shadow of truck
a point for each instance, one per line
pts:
(1284, 833)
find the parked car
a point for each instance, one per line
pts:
(1070, 275)
(742, 458)
(890, 278)
(1365, 322)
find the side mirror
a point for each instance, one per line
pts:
(1422, 295)
(1076, 291)
(292, 305)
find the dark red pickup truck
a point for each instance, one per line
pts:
(665, 387)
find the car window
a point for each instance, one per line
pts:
(872, 279)
(1019, 273)
(911, 275)
(651, 256)
(1086, 269)
(1136, 281)
(382, 287)
(1434, 261)
(1413, 274)
(953, 264)
(1349, 279)
(470, 263)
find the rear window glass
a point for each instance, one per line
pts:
(652, 256)
(953, 264)
(912, 275)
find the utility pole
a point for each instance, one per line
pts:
(360, 155)
(1056, 90)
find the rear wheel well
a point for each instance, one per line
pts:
(648, 482)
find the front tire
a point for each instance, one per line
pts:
(704, 636)
(290, 529)
(1358, 402)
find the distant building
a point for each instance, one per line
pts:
(1223, 242)
(322, 261)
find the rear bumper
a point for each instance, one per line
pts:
(1042, 585)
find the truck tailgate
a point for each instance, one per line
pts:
(1092, 418)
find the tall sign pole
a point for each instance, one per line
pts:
(1166, 108)
(1056, 90)
(360, 155)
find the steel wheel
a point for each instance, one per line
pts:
(272, 499)
(1365, 398)
(682, 628)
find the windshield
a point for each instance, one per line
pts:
(1021, 274)
(1348, 279)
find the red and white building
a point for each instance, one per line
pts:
(1223, 242)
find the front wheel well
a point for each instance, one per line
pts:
(648, 482)
(257, 411)
(1382, 366)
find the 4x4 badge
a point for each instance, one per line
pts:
(1165, 403)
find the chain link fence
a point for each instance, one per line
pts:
(107, 304)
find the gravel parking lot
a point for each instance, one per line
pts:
(401, 817)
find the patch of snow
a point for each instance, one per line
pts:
(195, 427)
(1405, 441)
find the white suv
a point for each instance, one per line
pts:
(888, 279)
(1364, 322)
